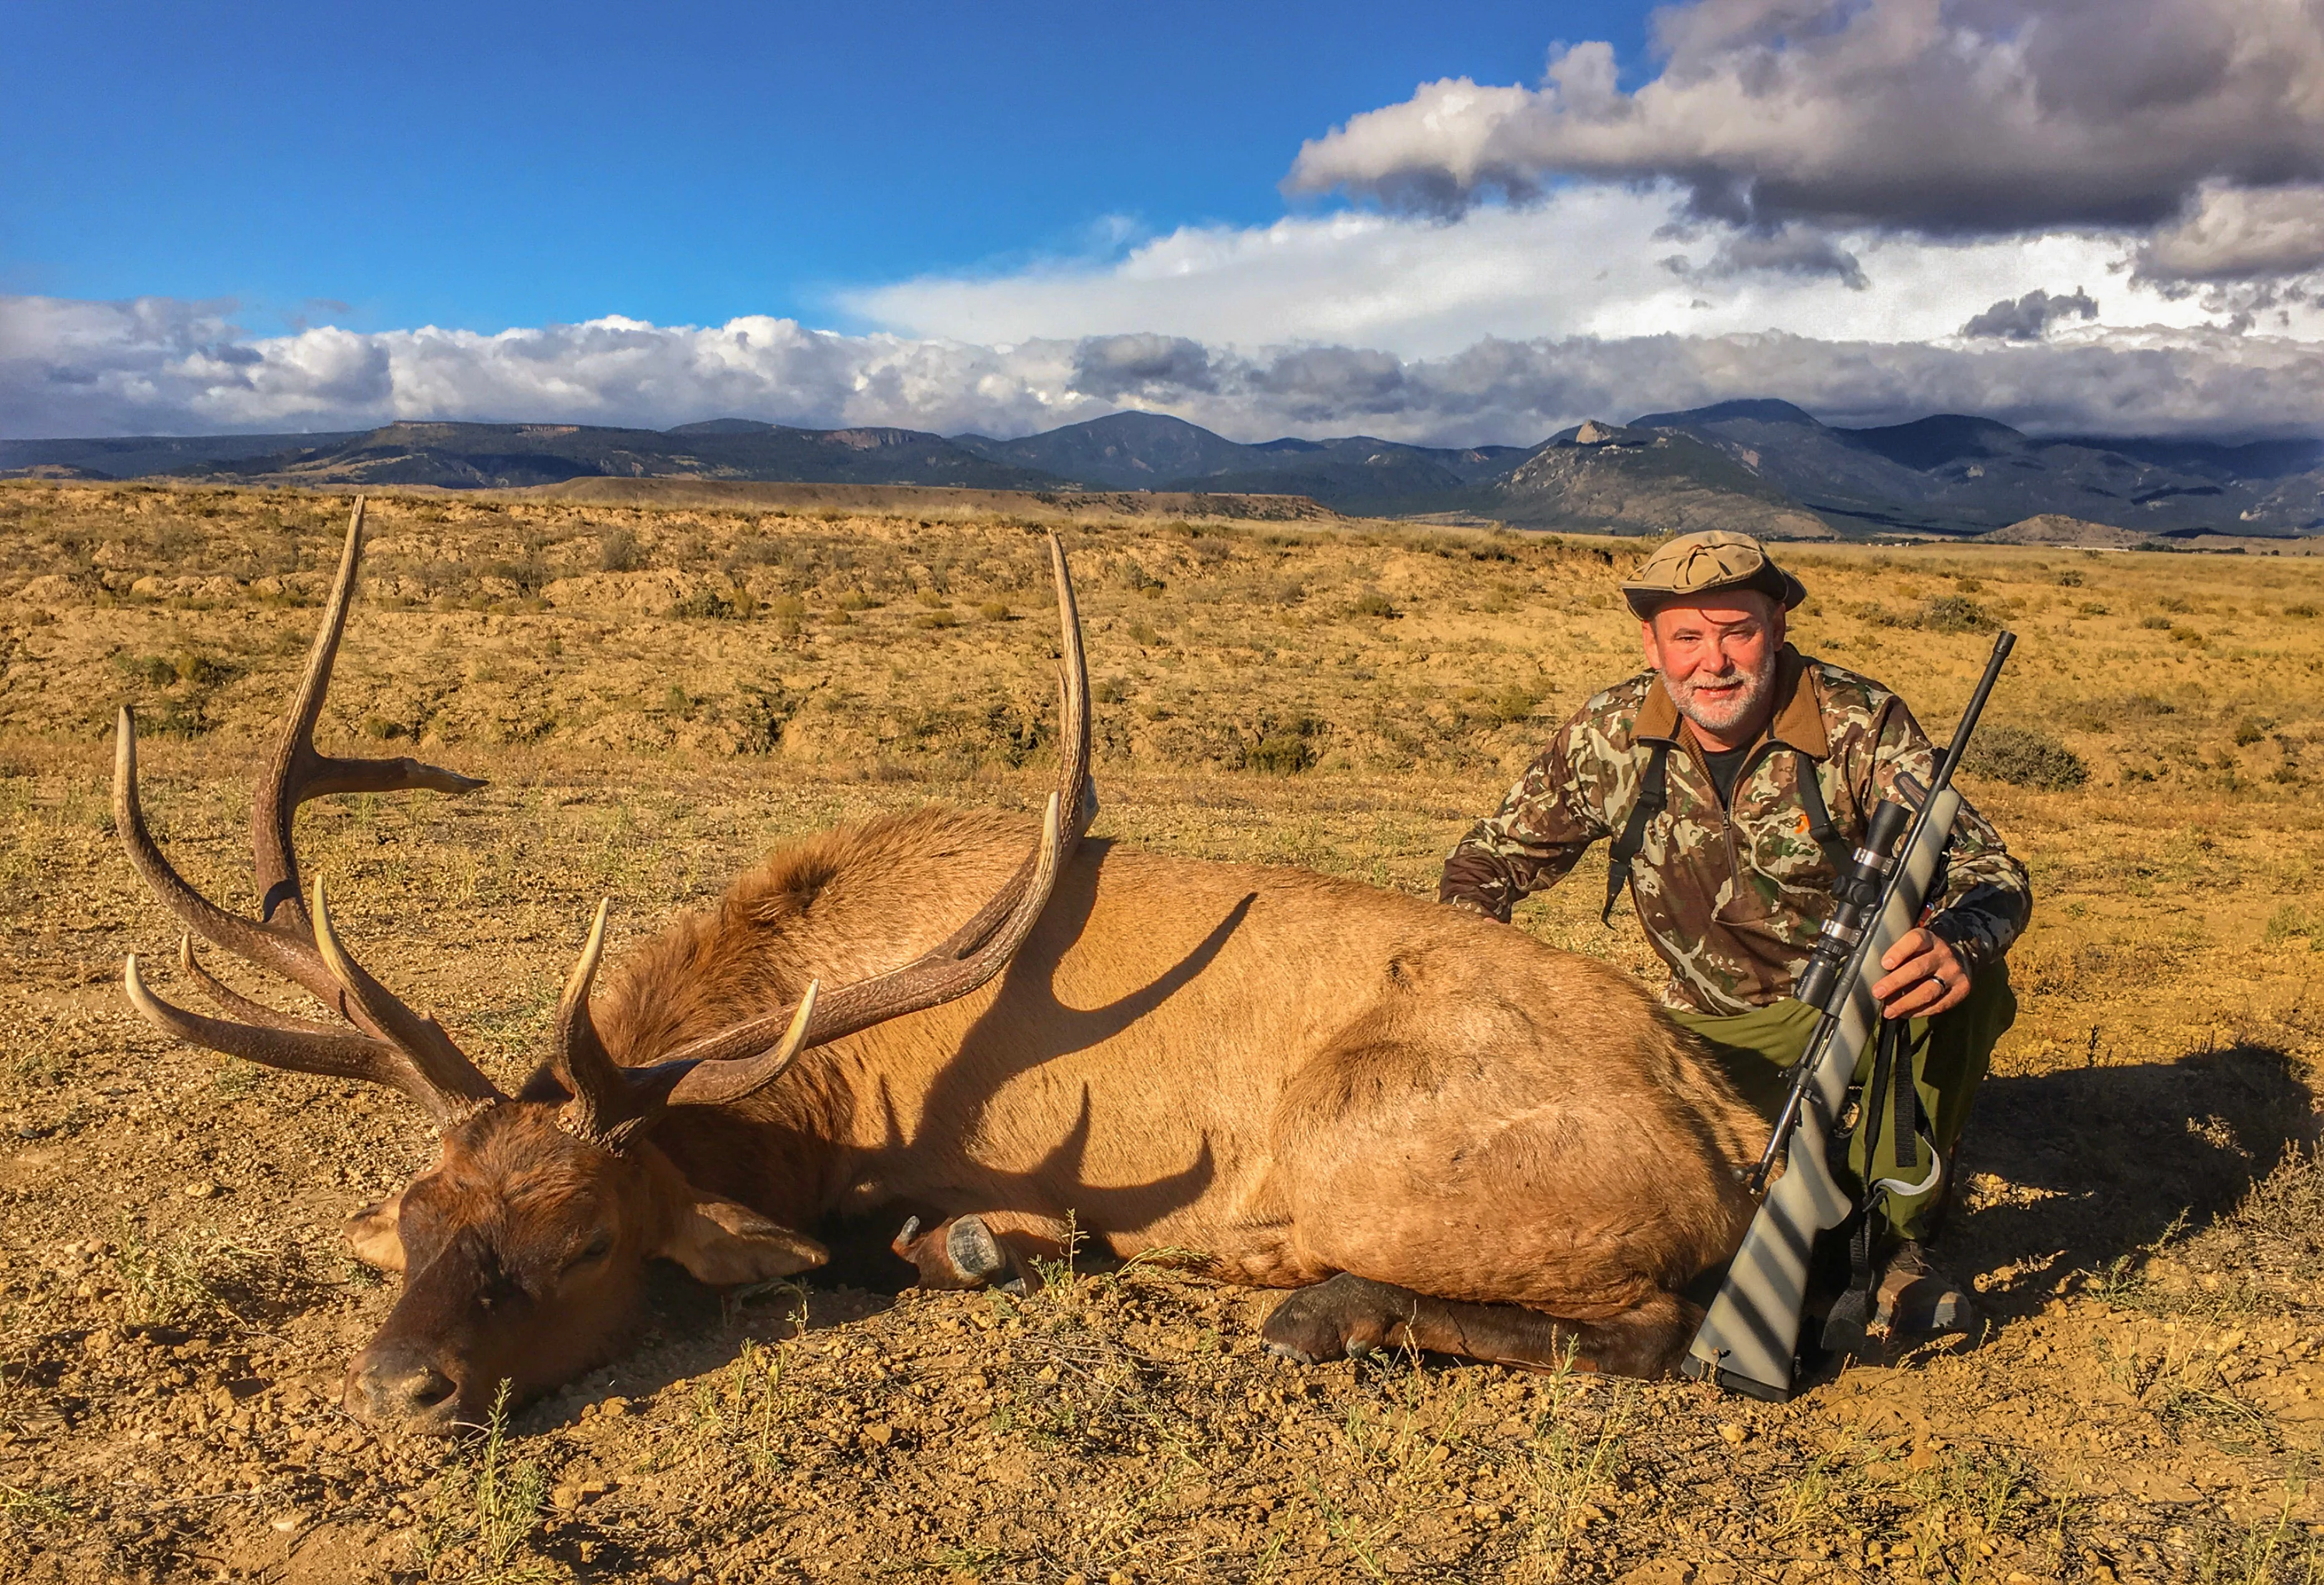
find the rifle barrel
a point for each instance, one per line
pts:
(2002, 642)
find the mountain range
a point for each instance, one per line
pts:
(1764, 467)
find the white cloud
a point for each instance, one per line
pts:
(77, 368)
(1964, 117)
(1585, 261)
(2231, 234)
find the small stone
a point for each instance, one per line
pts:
(1732, 1435)
(203, 1189)
(613, 1408)
(879, 1436)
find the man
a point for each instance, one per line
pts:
(1769, 764)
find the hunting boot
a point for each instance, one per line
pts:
(1916, 1298)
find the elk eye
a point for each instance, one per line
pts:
(599, 1248)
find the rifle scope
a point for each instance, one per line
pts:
(1856, 903)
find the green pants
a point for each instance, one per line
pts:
(1950, 1053)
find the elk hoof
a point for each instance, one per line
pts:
(978, 1258)
(1342, 1318)
(961, 1253)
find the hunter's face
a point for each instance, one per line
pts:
(1718, 660)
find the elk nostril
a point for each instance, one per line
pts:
(427, 1390)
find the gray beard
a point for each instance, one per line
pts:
(1755, 694)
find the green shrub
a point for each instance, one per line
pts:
(2024, 758)
(1282, 755)
(2161, 624)
(1954, 614)
(2292, 920)
(1372, 603)
(618, 550)
(2302, 609)
(717, 605)
(942, 616)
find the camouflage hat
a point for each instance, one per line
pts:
(1705, 563)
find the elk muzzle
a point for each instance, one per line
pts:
(395, 1385)
(430, 1369)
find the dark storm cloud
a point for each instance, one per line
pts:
(1116, 366)
(2029, 317)
(1950, 117)
(1788, 250)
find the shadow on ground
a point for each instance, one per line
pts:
(2100, 1162)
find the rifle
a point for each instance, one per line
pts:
(1749, 1338)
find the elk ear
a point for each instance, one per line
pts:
(372, 1234)
(723, 1243)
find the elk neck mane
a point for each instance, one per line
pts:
(839, 906)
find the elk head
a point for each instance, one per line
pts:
(524, 1249)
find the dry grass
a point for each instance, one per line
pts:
(660, 695)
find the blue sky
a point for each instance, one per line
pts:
(485, 166)
(1455, 223)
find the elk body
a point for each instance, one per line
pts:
(1438, 1130)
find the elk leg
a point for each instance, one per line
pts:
(1349, 1314)
(964, 1252)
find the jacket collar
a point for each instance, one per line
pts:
(1798, 721)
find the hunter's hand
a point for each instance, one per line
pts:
(1925, 977)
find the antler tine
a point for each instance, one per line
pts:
(419, 1037)
(604, 1105)
(713, 1083)
(239, 1007)
(1074, 784)
(298, 773)
(338, 1053)
(720, 1073)
(265, 947)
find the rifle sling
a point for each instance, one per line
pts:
(1653, 797)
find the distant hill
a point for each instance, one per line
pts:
(1953, 474)
(2050, 529)
(505, 455)
(1762, 465)
(1629, 480)
(138, 457)
(1154, 451)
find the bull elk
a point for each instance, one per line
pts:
(1440, 1132)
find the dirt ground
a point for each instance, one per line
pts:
(660, 695)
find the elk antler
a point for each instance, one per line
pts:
(610, 1104)
(389, 1044)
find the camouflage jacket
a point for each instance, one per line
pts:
(1732, 899)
